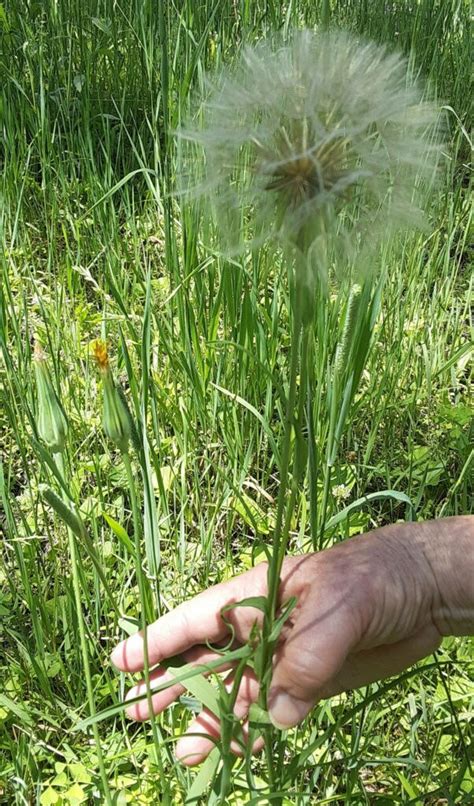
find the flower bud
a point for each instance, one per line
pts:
(51, 422)
(116, 417)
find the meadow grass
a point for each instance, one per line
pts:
(94, 245)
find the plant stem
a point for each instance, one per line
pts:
(146, 615)
(279, 540)
(324, 505)
(280, 537)
(228, 729)
(83, 642)
(312, 447)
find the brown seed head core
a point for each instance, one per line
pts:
(301, 166)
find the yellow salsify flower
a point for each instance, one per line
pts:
(98, 349)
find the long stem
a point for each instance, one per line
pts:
(228, 728)
(324, 505)
(312, 447)
(83, 643)
(146, 615)
(279, 536)
(276, 561)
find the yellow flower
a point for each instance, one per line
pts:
(100, 354)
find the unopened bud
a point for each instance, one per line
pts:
(116, 417)
(51, 422)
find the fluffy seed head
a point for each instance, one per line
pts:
(323, 144)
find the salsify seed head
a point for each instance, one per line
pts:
(324, 144)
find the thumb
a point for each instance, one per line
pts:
(305, 663)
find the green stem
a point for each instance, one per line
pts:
(280, 537)
(279, 540)
(146, 615)
(228, 731)
(83, 643)
(312, 447)
(143, 587)
(324, 506)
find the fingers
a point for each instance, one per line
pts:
(310, 657)
(201, 736)
(162, 699)
(196, 621)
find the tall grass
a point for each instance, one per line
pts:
(93, 245)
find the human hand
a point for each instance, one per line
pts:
(366, 609)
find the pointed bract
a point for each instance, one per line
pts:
(51, 421)
(116, 418)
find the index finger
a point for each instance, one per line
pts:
(194, 622)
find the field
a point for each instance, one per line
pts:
(96, 244)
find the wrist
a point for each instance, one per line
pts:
(447, 546)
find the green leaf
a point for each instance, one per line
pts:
(75, 795)
(259, 602)
(119, 532)
(49, 797)
(79, 772)
(344, 513)
(201, 689)
(183, 675)
(251, 513)
(129, 625)
(407, 785)
(66, 513)
(16, 709)
(258, 716)
(203, 778)
(4, 24)
(287, 609)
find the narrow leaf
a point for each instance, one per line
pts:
(120, 532)
(355, 505)
(65, 512)
(203, 778)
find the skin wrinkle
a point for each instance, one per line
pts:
(409, 586)
(432, 607)
(453, 610)
(437, 599)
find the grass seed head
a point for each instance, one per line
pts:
(323, 144)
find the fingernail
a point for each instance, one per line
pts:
(284, 711)
(184, 752)
(117, 654)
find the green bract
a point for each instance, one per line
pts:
(116, 417)
(51, 421)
